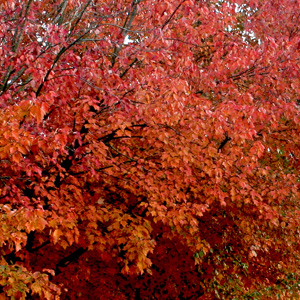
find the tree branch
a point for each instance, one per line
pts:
(60, 53)
(69, 259)
(172, 15)
(125, 28)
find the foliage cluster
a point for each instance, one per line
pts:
(149, 149)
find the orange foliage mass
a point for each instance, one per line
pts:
(163, 167)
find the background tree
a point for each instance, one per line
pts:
(149, 149)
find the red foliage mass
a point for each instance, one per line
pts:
(149, 149)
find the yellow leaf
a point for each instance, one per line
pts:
(70, 237)
(125, 269)
(140, 267)
(56, 235)
(64, 244)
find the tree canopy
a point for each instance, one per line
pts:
(149, 149)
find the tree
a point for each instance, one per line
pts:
(149, 149)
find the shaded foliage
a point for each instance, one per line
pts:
(149, 149)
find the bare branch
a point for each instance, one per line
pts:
(125, 28)
(172, 15)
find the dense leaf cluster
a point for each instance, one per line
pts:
(149, 149)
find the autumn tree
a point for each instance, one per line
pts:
(149, 149)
